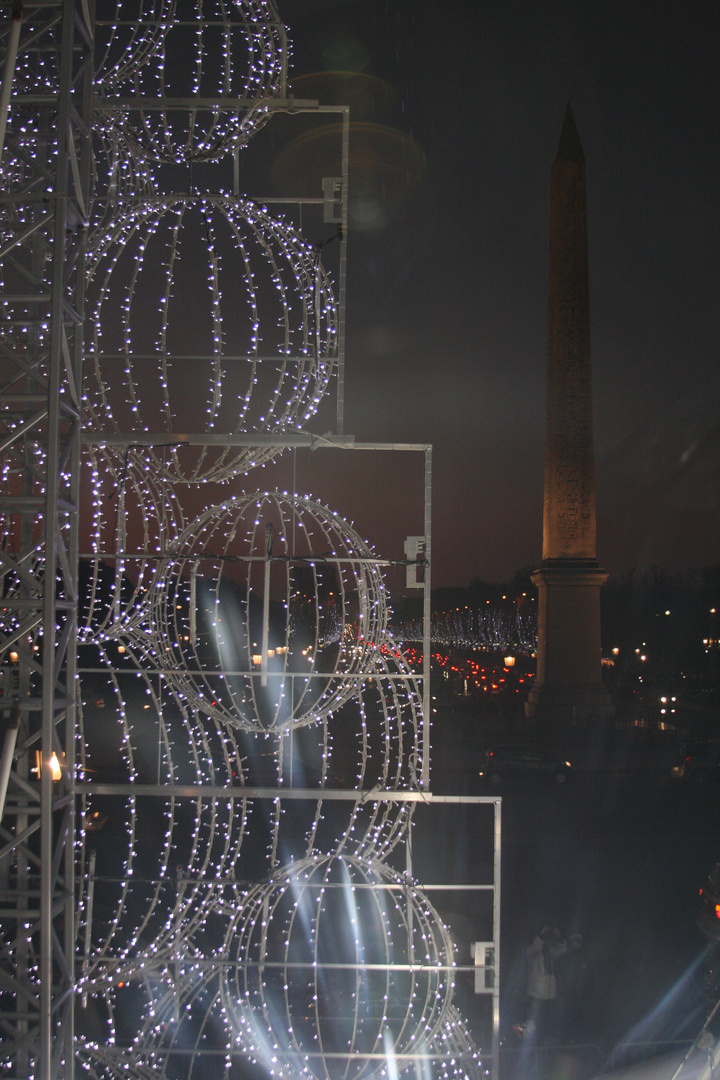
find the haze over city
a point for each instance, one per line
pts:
(447, 291)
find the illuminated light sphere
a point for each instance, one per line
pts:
(338, 959)
(167, 1012)
(372, 744)
(129, 35)
(150, 864)
(119, 182)
(241, 339)
(456, 1057)
(128, 518)
(267, 611)
(179, 1012)
(229, 56)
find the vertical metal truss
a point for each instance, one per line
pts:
(42, 252)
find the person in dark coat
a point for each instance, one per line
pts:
(542, 997)
(575, 991)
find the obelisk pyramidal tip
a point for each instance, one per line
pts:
(570, 147)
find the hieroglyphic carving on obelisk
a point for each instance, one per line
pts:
(569, 507)
(569, 686)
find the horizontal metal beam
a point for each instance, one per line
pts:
(307, 560)
(227, 104)
(214, 791)
(282, 441)
(356, 1056)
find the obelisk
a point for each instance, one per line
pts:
(569, 686)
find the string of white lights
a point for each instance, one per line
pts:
(241, 647)
(342, 967)
(128, 518)
(257, 356)
(149, 864)
(267, 612)
(454, 1053)
(200, 49)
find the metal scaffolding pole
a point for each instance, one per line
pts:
(43, 220)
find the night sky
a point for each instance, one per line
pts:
(461, 104)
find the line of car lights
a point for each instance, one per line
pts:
(492, 678)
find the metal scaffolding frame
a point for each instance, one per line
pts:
(45, 215)
(43, 255)
(486, 964)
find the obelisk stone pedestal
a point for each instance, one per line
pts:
(568, 684)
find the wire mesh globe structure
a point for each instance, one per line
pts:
(456, 1056)
(127, 516)
(247, 725)
(215, 66)
(162, 1019)
(373, 743)
(195, 76)
(267, 612)
(257, 356)
(149, 866)
(342, 968)
(182, 1013)
(161, 920)
(129, 37)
